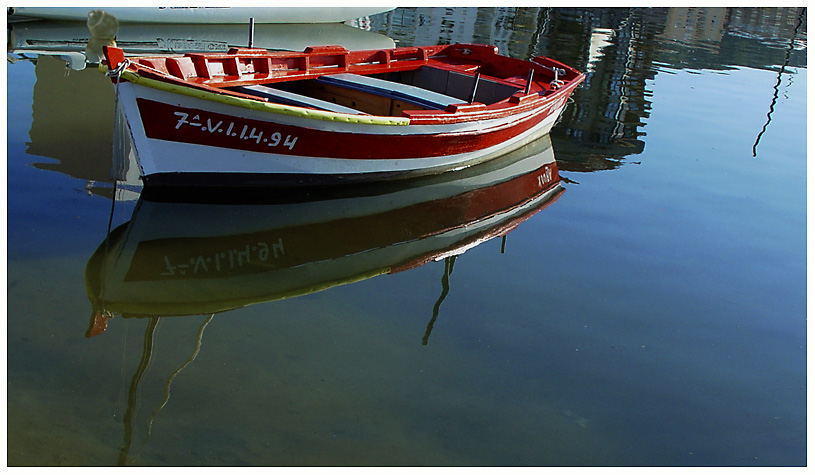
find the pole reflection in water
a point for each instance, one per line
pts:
(133, 394)
(202, 255)
(133, 391)
(778, 80)
(445, 289)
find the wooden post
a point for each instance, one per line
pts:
(475, 87)
(529, 81)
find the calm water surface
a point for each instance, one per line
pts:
(655, 314)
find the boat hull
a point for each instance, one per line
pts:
(207, 143)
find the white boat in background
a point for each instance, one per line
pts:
(65, 38)
(180, 14)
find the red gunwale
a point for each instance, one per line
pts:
(242, 66)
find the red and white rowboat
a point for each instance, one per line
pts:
(255, 117)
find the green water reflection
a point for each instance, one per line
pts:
(654, 315)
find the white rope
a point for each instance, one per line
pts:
(115, 72)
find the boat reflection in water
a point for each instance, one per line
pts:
(195, 256)
(205, 255)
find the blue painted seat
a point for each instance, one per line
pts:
(394, 90)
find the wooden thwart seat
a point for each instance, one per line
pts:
(293, 99)
(403, 92)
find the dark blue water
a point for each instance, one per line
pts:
(654, 314)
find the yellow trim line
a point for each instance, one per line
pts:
(261, 106)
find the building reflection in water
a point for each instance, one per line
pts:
(620, 49)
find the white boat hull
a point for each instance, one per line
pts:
(203, 14)
(167, 150)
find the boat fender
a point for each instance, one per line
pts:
(102, 24)
(103, 27)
